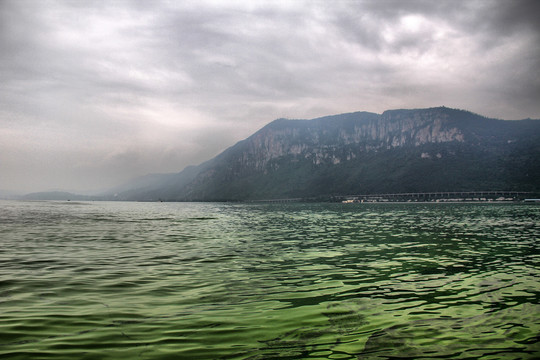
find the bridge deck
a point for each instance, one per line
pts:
(442, 195)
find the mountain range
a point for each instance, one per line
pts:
(415, 150)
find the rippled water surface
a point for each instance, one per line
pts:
(113, 280)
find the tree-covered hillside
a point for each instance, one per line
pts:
(419, 150)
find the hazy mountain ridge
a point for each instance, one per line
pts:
(57, 195)
(435, 149)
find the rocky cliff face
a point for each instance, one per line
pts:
(436, 149)
(321, 141)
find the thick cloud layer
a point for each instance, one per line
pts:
(93, 93)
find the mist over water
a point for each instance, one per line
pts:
(119, 280)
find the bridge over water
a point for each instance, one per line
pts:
(446, 195)
(418, 196)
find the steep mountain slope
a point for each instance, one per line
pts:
(436, 149)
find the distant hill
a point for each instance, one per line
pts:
(56, 195)
(418, 150)
(8, 194)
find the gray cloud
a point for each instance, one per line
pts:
(94, 93)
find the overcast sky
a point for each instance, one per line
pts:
(93, 93)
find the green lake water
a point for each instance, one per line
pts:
(120, 280)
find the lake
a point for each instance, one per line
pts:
(127, 280)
